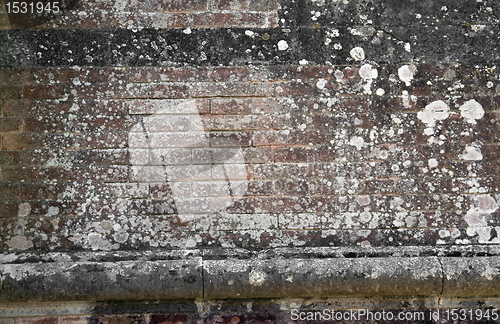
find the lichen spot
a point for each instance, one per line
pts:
(282, 45)
(357, 141)
(405, 74)
(363, 200)
(121, 236)
(24, 209)
(19, 243)
(486, 203)
(257, 278)
(433, 163)
(367, 72)
(321, 84)
(471, 111)
(436, 110)
(357, 53)
(471, 153)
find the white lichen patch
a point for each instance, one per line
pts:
(282, 45)
(471, 153)
(476, 219)
(380, 92)
(20, 242)
(357, 141)
(257, 278)
(24, 209)
(436, 110)
(357, 53)
(433, 163)
(321, 84)
(405, 74)
(472, 111)
(367, 72)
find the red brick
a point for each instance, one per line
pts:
(15, 76)
(218, 19)
(266, 105)
(53, 124)
(11, 92)
(263, 5)
(103, 107)
(229, 5)
(120, 319)
(37, 320)
(294, 155)
(294, 88)
(258, 19)
(10, 124)
(83, 319)
(259, 188)
(45, 91)
(230, 139)
(229, 89)
(184, 5)
(169, 20)
(172, 319)
(37, 141)
(258, 155)
(9, 192)
(155, 74)
(42, 191)
(99, 157)
(34, 108)
(229, 74)
(154, 91)
(230, 106)
(103, 141)
(9, 158)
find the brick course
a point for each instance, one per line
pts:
(306, 152)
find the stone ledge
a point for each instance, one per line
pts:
(238, 274)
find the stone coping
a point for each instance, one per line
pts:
(241, 274)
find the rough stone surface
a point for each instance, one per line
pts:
(245, 151)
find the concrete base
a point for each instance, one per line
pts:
(242, 274)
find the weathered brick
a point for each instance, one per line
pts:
(230, 89)
(15, 141)
(185, 5)
(99, 157)
(37, 320)
(230, 106)
(155, 74)
(9, 209)
(167, 107)
(82, 319)
(227, 19)
(115, 140)
(45, 92)
(169, 20)
(11, 92)
(167, 319)
(230, 139)
(10, 158)
(229, 5)
(294, 155)
(34, 108)
(42, 191)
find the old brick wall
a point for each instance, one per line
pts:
(198, 126)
